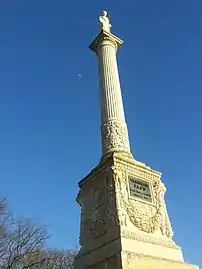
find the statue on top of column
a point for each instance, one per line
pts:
(104, 22)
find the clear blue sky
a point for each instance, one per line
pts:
(50, 136)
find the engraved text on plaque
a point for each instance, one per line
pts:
(140, 189)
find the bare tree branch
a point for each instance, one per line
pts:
(60, 259)
(22, 246)
(21, 243)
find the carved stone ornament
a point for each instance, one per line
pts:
(146, 237)
(146, 217)
(98, 218)
(114, 137)
(107, 41)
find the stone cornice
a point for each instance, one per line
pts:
(120, 158)
(99, 168)
(151, 239)
(103, 35)
(139, 165)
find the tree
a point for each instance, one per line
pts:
(60, 259)
(21, 243)
(22, 246)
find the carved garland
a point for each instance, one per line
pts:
(151, 224)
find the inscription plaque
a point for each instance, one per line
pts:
(140, 189)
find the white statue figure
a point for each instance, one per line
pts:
(104, 22)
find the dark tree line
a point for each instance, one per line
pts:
(22, 245)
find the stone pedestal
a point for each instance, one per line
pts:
(124, 221)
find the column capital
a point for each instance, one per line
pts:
(105, 37)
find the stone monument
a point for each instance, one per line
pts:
(124, 220)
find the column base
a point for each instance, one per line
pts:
(137, 261)
(110, 257)
(124, 154)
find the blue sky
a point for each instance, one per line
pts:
(50, 121)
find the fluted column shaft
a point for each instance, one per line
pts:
(114, 130)
(110, 90)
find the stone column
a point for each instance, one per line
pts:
(114, 130)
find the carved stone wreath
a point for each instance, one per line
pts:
(154, 221)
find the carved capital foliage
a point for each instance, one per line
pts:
(106, 40)
(114, 137)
